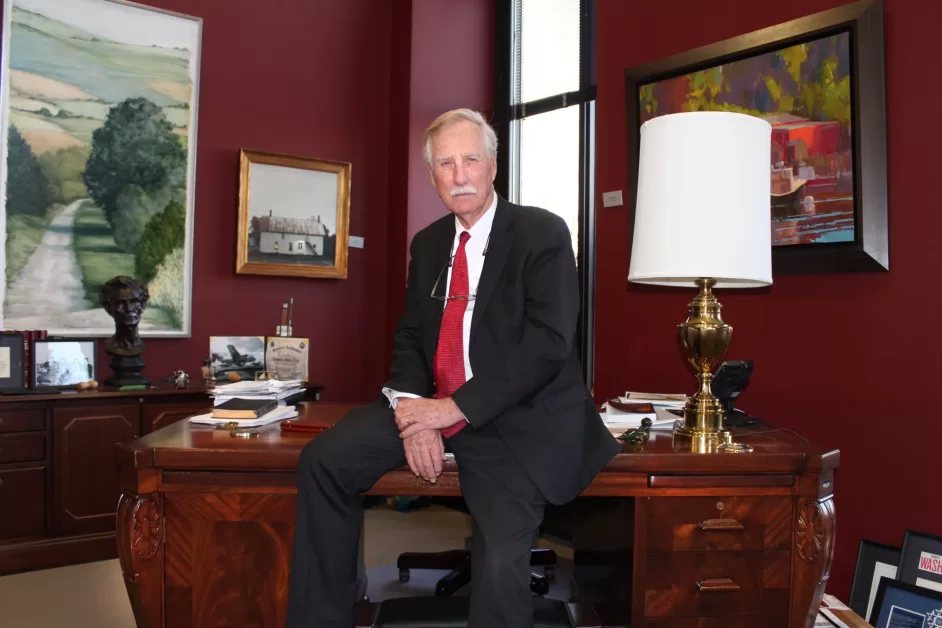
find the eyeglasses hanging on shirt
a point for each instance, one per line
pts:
(448, 264)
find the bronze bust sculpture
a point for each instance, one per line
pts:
(124, 298)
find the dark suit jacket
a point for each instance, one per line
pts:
(527, 379)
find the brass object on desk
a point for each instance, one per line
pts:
(243, 433)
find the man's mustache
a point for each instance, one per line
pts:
(464, 189)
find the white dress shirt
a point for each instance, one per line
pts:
(474, 249)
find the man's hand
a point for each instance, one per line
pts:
(416, 415)
(425, 453)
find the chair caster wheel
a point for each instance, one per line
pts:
(403, 575)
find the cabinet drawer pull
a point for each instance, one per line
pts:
(712, 525)
(717, 585)
(1, 420)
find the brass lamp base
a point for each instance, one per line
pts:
(705, 338)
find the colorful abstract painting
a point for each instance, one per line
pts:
(804, 92)
(98, 134)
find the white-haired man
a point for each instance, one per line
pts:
(485, 360)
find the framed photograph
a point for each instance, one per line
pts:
(236, 356)
(11, 361)
(63, 362)
(98, 111)
(294, 215)
(920, 562)
(903, 605)
(874, 561)
(818, 81)
(287, 357)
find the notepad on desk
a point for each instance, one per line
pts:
(620, 414)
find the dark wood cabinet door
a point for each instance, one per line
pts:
(22, 491)
(158, 415)
(86, 468)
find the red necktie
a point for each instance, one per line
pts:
(448, 364)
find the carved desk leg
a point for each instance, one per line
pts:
(140, 552)
(813, 552)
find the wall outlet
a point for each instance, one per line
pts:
(612, 199)
(356, 242)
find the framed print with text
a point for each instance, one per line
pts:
(920, 562)
(903, 605)
(287, 357)
(11, 360)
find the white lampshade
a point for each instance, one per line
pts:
(703, 205)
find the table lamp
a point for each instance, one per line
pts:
(702, 219)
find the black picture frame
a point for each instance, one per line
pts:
(864, 21)
(898, 602)
(921, 560)
(12, 374)
(57, 362)
(874, 561)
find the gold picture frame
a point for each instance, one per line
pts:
(294, 215)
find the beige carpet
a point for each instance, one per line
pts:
(92, 595)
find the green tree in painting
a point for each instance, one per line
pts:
(136, 145)
(64, 169)
(27, 186)
(164, 233)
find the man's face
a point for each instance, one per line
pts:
(126, 307)
(462, 171)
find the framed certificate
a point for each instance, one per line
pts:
(287, 357)
(11, 360)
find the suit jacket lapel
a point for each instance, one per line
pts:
(497, 250)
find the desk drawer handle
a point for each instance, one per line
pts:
(712, 525)
(717, 585)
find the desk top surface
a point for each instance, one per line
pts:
(188, 446)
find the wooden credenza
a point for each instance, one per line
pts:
(58, 471)
(206, 523)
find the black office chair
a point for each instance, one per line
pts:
(459, 562)
(452, 612)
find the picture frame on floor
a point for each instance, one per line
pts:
(920, 560)
(903, 605)
(874, 561)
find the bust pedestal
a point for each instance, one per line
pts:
(126, 370)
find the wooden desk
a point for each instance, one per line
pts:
(206, 521)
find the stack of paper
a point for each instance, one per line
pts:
(267, 389)
(661, 417)
(278, 414)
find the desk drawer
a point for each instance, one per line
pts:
(21, 421)
(716, 584)
(22, 448)
(717, 523)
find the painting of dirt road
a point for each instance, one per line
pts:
(98, 133)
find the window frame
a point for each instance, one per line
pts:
(506, 117)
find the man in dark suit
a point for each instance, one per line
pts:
(485, 359)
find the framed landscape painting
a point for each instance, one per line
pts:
(294, 215)
(818, 81)
(98, 132)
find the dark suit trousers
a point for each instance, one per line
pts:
(342, 462)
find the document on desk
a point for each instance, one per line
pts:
(622, 414)
(278, 414)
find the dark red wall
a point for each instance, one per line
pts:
(844, 359)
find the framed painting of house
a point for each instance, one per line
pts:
(818, 80)
(98, 112)
(294, 215)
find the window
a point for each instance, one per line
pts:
(544, 115)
